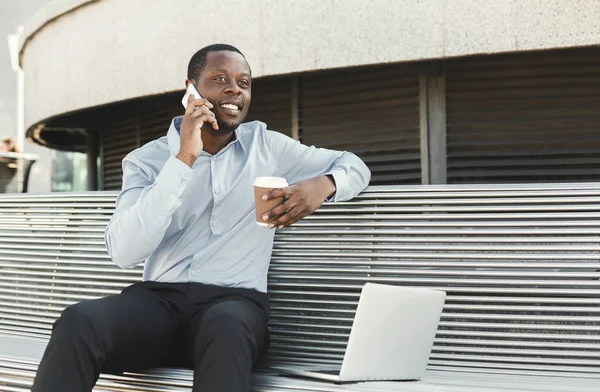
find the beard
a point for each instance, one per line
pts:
(225, 127)
(228, 125)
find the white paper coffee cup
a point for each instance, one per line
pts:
(262, 186)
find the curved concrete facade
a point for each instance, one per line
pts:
(79, 54)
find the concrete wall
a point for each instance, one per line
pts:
(78, 54)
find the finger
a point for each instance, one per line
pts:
(277, 211)
(280, 192)
(191, 107)
(202, 102)
(289, 218)
(200, 110)
(206, 115)
(213, 121)
(294, 220)
(194, 104)
(205, 118)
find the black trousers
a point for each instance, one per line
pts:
(218, 332)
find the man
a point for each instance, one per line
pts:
(8, 144)
(187, 210)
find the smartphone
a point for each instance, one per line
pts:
(191, 90)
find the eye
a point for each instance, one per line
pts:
(244, 83)
(220, 79)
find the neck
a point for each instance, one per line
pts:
(215, 141)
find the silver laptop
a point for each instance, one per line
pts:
(391, 337)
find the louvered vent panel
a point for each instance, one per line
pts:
(524, 118)
(372, 111)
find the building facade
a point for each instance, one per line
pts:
(437, 91)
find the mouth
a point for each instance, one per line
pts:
(231, 108)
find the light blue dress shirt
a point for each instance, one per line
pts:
(198, 224)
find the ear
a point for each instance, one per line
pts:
(187, 82)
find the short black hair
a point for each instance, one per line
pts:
(198, 60)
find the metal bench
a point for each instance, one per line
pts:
(520, 264)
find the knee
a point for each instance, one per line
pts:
(73, 322)
(226, 323)
(231, 324)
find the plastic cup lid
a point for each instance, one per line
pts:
(270, 182)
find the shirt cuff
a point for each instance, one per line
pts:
(341, 184)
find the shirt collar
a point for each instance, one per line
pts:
(174, 139)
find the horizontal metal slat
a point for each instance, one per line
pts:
(19, 301)
(275, 285)
(281, 263)
(440, 255)
(27, 259)
(374, 236)
(17, 240)
(375, 221)
(43, 229)
(23, 331)
(61, 248)
(506, 218)
(450, 319)
(56, 218)
(456, 205)
(464, 311)
(351, 299)
(44, 285)
(551, 370)
(57, 278)
(536, 232)
(534, 361)
(58, 254)
(551, 348)
(504, 338)
(109, 273)
(39, 296)
(518, 275)
(22, 310)
(20, 318)
(54, 283)
(563, 286)
(339, 244)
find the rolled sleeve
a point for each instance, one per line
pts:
(298, 162)
(342, 187)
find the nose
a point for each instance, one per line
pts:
(233, 88)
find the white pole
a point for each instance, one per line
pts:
(21, 109)
(13, 48)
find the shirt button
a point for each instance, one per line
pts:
(217, 191)
(214, 224)
(183, 182)
(193, 272)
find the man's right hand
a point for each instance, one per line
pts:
(196, 114)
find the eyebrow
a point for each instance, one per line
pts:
(226, 71)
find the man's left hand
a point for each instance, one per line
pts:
(300, 200)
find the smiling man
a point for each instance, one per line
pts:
(186, 211)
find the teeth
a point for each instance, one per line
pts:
(230, 106)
